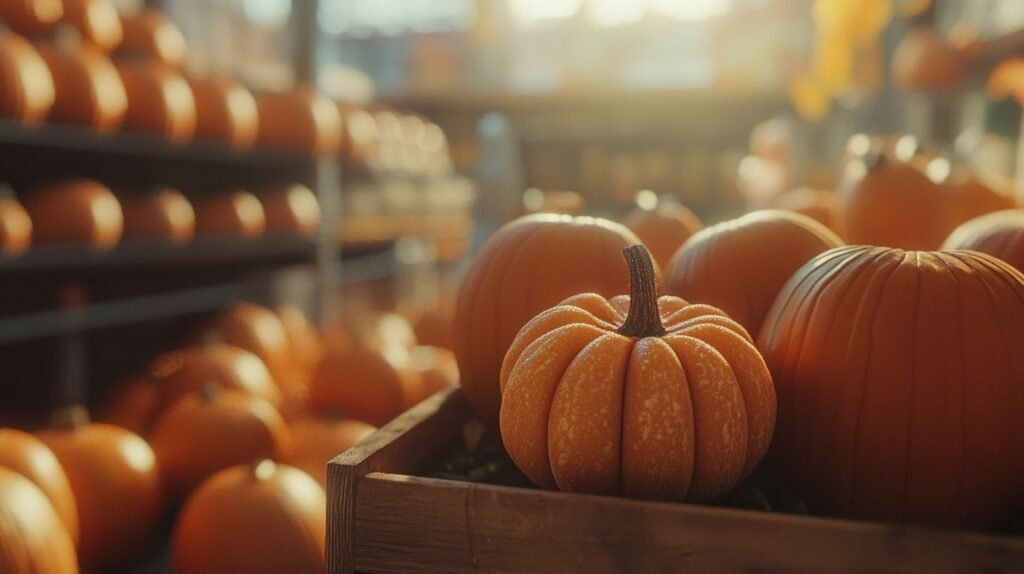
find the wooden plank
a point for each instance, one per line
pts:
(410, 524)
(400, 446)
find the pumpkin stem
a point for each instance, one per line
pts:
(643, 319)
(69, 418)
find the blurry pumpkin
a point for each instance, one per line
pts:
(80, 211)
(15, 224)
(35, 541)
(361, 383)
(890, 203)
(114, 477)
(26, 86)
(160, 101)
(187, 370)
(28, 456)
(527, 266)
(260, 519)
(315, 441)
(663, 227)
(88, 89)
(212, 429)
(898, 376)
(923, 60)
(636, 395)
(292, 209)
(31, 16)
(300, 121)
(436, 369)
(358, 134)
(258, 330)
(999, 234)
(760, 181)
(159, 214)
(820, 205)
(304, 348)
(434, 328)
(970, 197)
(386, 330)
(739, 266)
(230, 213)
(225, 111)
(134, 405)
(150, 35)
(96, 21)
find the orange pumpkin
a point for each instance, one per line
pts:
(35, 540)
(361, 383)
(150, 35)
(134, 405)
(663, 228)
(315, 441)
(999, 234)
(292, 209)
(898, 380)
(434, 328)
(301, 121)
(527, 266)
(28, 456)
(26, 86)
(87, 87)
(923, 60)
(225, 111)
(31, 16)
(820, 205)
(80, 211)
(97, 22)
(636, 395)
(160, 214)
(114, 477)
(15, 224)
(258, 330)
(231, 213)
(739, 266)
(304, 348)
(263, 519)
(892, 204)
(213, 429)
(970, 197)
(187, 370)
(160, 101)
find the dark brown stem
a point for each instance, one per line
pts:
(643, 319)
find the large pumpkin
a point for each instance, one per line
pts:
(225, 111)
(114, 477)
(78, 212)
(230, 213)
(291, 209)
(87, 87)
(889, 203)
(740, 265)
(26, 86)
(999, 234)
(34, 540)
(899, 380)
(301, 121)
(187, 370)
(15, 224)
(636, 395)
(213, 429)
(663, 228)
(28, 456)
(317, 440)
(527, 266)
(160, 101)
(263, 519)
(160, 214)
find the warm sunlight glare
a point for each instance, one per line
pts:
(609, 13)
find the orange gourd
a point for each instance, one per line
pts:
(160, 101)
(301, 121)
(890, 203)
(114, 477)
(263, 519)
(361, 383)
(970, 197)
(97, 22)
(230, 213)
(34, 541)
(225, 111)
(258, 330)
(28, 456)
(213, 429)
(88, 90)
(819, 204)
(150, 35)
(160, 214)
(898, 376)
(31, 16)
(134, 405)
(740, 265)
(26, 86)
(999, 234)
(315, 441)
(15, 224)
(663, 229)
(636, 395)
(291, 209)
(79, 212)
(527, 266)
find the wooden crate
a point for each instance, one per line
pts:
(383, 519)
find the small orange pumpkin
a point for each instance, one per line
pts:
(87, 87)
(315, 441)
(31, 16)
(971, 197)
(225, 111)
(663, 228)
(304, 347)
(300, 120)
(636, 395)
(999, 234)
(258, 330)
(160, 214)
(97, 22)
(134, 405)
(230, 213)
(434, 328)
(15, 224)
(361, 383)
(187, 370)
(80, 211)
(292, 209)
(820, 205)
(212, 429)
(28, 456)
(35, 540)
(276, 513)
(160, 101)
(150, 35)
(26, 86)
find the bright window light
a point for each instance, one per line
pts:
(530, 11)
(267, 12)
(691, 10)
(610, 13)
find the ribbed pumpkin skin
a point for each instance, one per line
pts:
(526, 267)
(28, 456)
(901, 386)
(999, 234)
(685, 415)
(740, 265)
(34, 540)
(663, 229)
